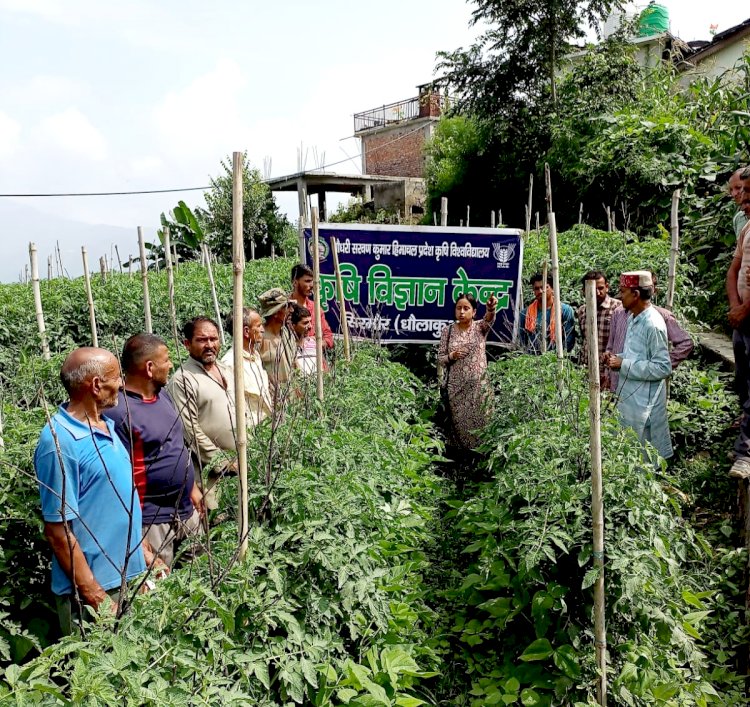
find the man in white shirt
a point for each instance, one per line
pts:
(258, 405)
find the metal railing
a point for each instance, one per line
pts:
(409, 109)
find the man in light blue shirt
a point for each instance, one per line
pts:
(92, 515)
(644, 365)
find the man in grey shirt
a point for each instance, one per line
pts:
(200, 389)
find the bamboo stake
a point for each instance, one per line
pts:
(444, 211)
(89, 296)
(548, 187)
(49, 267)
(597, 502)
(144, 278)
(530, 204)
(238, 263)
(544, 306)
(174, 253)
(527, 216)
(252, 248)
(556, 287)
(170, 285)
(207, 259)
(38, 300)
(317, 313)
(460, 223)
(342, 302)
(26, 273)
(103, 268)
(580, 214)
(499, 218)
(119, 261)
(273, 252)
(492, 218)
(609, 219)
(60, 271)
(434, 219)
(130, 266)
(468, 214)
(675, 249)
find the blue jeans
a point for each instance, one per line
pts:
(741, 345)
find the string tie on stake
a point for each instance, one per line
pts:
(598, 554)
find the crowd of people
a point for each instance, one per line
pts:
(131, 465)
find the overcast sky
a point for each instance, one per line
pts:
(111, 96)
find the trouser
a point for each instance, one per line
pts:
(166, 538)
(68, 610)
(741, 345)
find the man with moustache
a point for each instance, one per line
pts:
(738, 294)
(151, 430)
(90, 505)
(200, 390)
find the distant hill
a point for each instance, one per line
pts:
(20, 224)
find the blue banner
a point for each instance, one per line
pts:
(401, 282)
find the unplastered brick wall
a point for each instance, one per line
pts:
(396, 151)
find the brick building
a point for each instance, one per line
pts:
(393, 136)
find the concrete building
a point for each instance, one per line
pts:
(719, 56)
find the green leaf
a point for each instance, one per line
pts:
(541, 649)
(530, 698)
(566, 659)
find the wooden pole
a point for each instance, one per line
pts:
(434, 219)
(609, 219)
(119, 261)
(530, 204)
(207, 259)
(468, 215)
(443, 210)
(103, 268)
(130, 266)
(556, 286)
(597, 498)
(580, 214)
(89, 296)
(548, 187)
(460, 223)
(144, 278)
(238, 266)
(492, 218)
(273, 252)
(317, 310)
(675, 249)
(174, 255)
(60, 271)
(38, 300)
(544, 306)
(49, 267)
(342, 303)
(499, 218)
(252, 248)
(170, 284)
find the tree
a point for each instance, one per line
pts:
(518, 56)
(262, 222)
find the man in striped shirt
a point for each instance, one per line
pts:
(605, 308)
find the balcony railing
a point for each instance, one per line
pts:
(426, 105)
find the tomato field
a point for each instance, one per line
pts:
(379, 572)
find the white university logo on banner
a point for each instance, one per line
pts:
(503, 253)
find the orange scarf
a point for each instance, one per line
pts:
(531, 317)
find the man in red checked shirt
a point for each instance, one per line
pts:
(302, 287)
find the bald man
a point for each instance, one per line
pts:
(92, 515)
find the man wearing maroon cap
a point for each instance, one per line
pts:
(643, 364)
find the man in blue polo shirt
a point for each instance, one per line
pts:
(150, 428)
(92, 515)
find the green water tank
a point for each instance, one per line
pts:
(653, 20)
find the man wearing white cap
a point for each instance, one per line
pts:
(643, 364)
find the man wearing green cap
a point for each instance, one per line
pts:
(278, 349)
